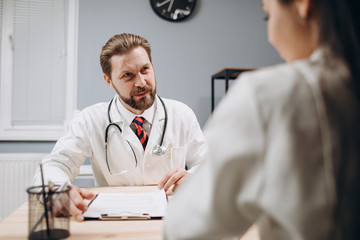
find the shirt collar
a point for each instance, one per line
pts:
(317, 54)
(128, 116)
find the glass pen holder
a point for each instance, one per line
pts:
(49, 213)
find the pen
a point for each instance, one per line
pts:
(92, 200)
(45, 201)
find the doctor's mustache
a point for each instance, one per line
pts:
(138, 90)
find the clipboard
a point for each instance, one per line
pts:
(120, 217)
(127, 206)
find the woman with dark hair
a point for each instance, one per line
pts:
(284, 140)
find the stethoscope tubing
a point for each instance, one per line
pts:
(119, 128)
(158, 149)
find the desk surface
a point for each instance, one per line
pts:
(15, 226)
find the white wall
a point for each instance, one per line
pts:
(226, 33)
(221, 33)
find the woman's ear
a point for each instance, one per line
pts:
(303, 8)
(108, 80)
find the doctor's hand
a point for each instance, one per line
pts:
(174, 177)
(77, 203)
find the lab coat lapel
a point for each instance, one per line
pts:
(157, 126)
(127, 133)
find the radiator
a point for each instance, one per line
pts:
(16, 174)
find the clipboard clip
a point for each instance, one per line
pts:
(125, 215)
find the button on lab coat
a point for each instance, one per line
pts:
(85, 138)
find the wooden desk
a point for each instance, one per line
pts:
(15, 226)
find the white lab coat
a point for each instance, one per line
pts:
(269, 161)
(85, 138)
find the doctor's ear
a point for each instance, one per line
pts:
(108, 80)
(303, 8)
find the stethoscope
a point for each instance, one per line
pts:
(158, 149)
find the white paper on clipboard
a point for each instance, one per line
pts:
(151, 204)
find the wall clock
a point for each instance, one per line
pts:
(173, 10)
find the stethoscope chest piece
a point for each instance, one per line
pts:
(159, 150)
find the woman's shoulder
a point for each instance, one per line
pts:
(278, 76)
(281, 82)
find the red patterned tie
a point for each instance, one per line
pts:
(138, 122)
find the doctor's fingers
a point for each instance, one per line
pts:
(178, 183)
(77, 204)
(164, 180)
(77, 199)
(86, 193)
(61, 206)
(176, 177)
(76, 212)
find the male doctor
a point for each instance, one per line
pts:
(137, 138)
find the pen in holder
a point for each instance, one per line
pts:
(49, 212)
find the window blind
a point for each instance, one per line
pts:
(1, 17)
(39, 62)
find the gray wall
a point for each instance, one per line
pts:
(220, 33)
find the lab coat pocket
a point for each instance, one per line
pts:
(177, 157)
(120, 155)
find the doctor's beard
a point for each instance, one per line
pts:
(143, 103)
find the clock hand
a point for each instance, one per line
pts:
(170, 5)
(164, 2)
(180, 11)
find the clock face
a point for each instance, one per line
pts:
(173, 10)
